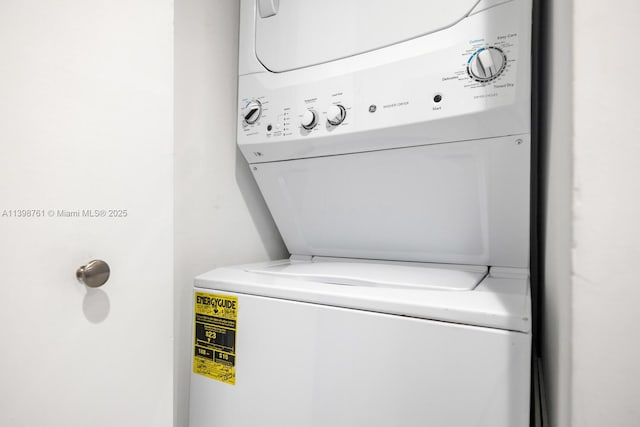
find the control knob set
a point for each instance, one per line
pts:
(252, 111)
(335, 115)
(487, 64)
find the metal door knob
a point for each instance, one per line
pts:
(94, 274)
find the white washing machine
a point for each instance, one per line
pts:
(391, 142)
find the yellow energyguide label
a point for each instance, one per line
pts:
(214, 341)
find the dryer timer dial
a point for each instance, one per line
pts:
(486, 64)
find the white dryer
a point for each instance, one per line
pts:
(391, 142)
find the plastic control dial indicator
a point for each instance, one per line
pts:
(309, 119)
(486, 64)
(336, 114)
(252, 111)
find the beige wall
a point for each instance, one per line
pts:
(220, 217)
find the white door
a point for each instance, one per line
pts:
(85, 173)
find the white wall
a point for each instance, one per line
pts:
(592, 291)
(556, 195)
(220, 217)
(606, 288)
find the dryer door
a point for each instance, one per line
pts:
(308, 32)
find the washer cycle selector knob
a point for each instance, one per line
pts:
(252, 111)
(309, 119)
(487, 64)
(336, 114)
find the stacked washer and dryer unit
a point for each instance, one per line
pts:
(391, 143)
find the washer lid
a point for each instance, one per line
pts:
(501, 300)
(396, 275)
(308, 32)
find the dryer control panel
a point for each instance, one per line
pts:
(455, 84)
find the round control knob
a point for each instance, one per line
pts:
(336, 114)
(252, 111)
(309, 119)
(487, 64)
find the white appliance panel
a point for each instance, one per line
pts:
(300, 364)
(463, 203)
(400, 84)
(308, 32)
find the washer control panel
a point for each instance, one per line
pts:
(479, 76)
(264, 117)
